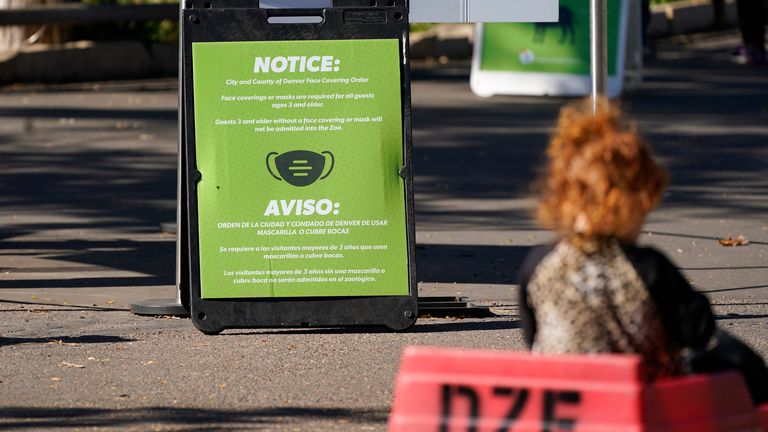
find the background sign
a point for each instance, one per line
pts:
(431, 11)
(299, 145)
(547, 58)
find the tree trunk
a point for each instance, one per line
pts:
(12, 38)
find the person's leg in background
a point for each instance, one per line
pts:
(649, 52)
(752, 26)
(646, 6)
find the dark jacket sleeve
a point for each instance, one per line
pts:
(526, 312)
(686, 313)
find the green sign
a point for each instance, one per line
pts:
(558, 47)
(548, 58)
(299, 145)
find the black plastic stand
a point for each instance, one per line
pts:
(236, 21)
(159, 307)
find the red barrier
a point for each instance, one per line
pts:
(762, 411)
(700, 403)
(453, 390)
(448, 390)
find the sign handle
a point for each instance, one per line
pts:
(598, 26)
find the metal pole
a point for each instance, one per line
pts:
(180, 224)
(598, 25)
(174, 306)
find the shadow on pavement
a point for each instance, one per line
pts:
(203, 419)
(65, 340)
(739, 316)
(91, 113)
(489, 155)
(129, 190)
(71, 174)
(153, 259)
(469, 263)
(87, 282)
(456, 326)
(705, 117)
(423, 326)
(56, 307)
(735, 289)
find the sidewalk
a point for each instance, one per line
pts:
(88, 176)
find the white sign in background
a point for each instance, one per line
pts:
(445, 11)
(483, 10)
(486, 83)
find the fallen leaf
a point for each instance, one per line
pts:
(72, 365)
(738, 241)
(61, 342)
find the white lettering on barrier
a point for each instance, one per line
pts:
(282, 64)
(301, 207)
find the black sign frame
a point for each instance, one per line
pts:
(239, 20)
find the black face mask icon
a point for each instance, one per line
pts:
(300, 167)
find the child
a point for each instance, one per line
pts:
(595, 291)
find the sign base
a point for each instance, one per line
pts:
(159, 307)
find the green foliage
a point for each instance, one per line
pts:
(420, 27)
(165, 31)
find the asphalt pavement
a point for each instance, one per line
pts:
(88, 176)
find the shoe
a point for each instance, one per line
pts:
(748, 56)
(649, 53)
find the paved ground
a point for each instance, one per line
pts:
(88, 175)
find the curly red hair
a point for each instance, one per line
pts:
(601, 179)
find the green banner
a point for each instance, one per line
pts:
(299, 144)
(560, 47)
